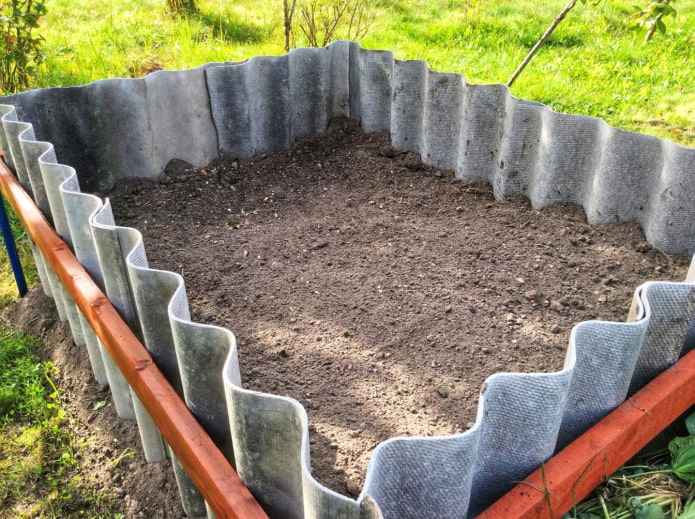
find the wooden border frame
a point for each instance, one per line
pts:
(569, 476)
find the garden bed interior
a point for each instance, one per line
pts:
(378, 291)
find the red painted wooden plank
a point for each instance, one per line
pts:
(573, 473)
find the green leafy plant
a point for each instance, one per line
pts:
(682, 450)
(647, 510)
(128, 453)
(652, 17)
(660, 487)
(688, 511)
(20, 47)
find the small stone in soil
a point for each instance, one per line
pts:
(555, 306)
(352, 488)
(531, 295)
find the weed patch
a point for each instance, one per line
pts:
(38, 468)
(659, 485)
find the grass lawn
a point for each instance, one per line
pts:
(593, 64)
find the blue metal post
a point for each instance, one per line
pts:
(8, 238)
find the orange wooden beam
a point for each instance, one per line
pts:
(210, 471)
(573, 473)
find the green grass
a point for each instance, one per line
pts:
(591, 65)
(39, 474)
(25, 381)
(86, 41)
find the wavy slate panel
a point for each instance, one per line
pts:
(519, 422)
(117, 128)
(7, 112)
(33, 153)
(151, 291)
(402, 471)
(12, 128)
(370, 87)
(483, 113)
(663, 341)
(301, 94)
(519, 155)
(454, 476)
(9, 129)
(604, 382)
(672, 212)
(79, 208)
(150, 288)
(26, 151)
(31, 150)
(271, 448)
(192, 355)
(52, 175)
(111, 247)
(201, 351)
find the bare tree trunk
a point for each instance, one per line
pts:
(288, 11)
(540, 42)
(181, 6)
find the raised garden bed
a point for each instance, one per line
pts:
(378, 291)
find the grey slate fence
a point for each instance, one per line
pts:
(116, 128)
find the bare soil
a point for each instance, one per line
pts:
(378, 291)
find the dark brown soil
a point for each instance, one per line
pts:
(377, 291)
